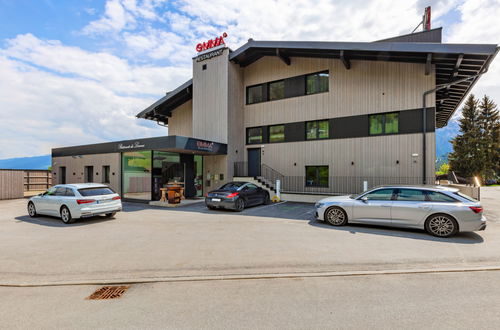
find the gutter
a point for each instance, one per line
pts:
(424, 108)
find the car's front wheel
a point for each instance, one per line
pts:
(239, 205)
(66, 215)
(32, 209)
(336, 216)
(441, 225)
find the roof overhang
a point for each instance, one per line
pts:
(452, 61)
(162, 109)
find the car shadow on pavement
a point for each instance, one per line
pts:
(57, 222)
(460, 238)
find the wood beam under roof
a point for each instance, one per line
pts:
(282, 56)
(345, 60)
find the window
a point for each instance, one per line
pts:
(86, 192)
(411, 195)
(384, 124)
(51, 191)
(60, 191)
(470, 199)
(204, 67)
(277, 133)
(254, 94)
(137, 175)
(105, 174)
(254, 135)
(277, 90)
(250, 186)
(380, 195)
(316, 176)
(435, 196)
(317, 83)
(317, 130)
(89, 173)
(70, 192)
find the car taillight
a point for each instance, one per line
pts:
(116, 198)
(231, 195)
(85, 201)
(476, 209)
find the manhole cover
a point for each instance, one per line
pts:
(109, 292)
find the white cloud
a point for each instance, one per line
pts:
(115, 19)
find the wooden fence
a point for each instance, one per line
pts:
(16, 183)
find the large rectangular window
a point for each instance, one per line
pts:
(387, 123)
(255, 94)
(277, 133)
(254, 135)
(317, 83)
(136, 174)
(318, 129)
(317, 176)
(277, 90)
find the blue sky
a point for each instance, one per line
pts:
(77, 71)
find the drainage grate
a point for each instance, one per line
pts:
(109, 292)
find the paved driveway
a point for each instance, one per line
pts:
(147, 242)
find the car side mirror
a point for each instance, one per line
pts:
(364, 199)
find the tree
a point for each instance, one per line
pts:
(443, 169)
(466, 158)
(489, 124)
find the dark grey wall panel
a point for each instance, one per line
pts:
(295, 86)
(350, 127)
(410, 121)
(295, 132)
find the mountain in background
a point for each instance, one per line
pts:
(27, 163)
(443, 141)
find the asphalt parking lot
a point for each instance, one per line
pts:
(153, 242)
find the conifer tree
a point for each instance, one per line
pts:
(489, 124)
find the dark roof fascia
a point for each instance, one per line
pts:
(415, 34)
(170, 95)
(417, 47)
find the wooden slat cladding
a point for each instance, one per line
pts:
(181, 122)
(368, 87)
(11, 184)
(37, 180)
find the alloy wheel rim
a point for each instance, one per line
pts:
(441, 226)
(31, 209)
(336, 216)
(64, 215)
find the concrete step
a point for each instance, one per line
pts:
(257, 183)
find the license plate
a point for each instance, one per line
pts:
(215, 199)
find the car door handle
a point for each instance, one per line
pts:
(425, 207)
(385, 205)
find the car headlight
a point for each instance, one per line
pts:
(319, 205)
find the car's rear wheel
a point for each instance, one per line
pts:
(110, 215)
(211, 207)
(336, 216)
(32, 209)
(239, 204)
(441, 225)
(66, 215)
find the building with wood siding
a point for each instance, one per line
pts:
(320, 116)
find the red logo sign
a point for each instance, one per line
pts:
(211, 43)
(202, 145)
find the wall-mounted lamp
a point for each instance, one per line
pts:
(294, 164)
(397, 161)
(352, 163)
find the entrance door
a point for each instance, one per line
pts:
(254, 162)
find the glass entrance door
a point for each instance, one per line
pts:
(167, 169)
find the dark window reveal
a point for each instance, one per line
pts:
(277, 90)
(277, 133)
(317, 130)
(105, 174)
(387, 123)
(316, 176)
(254, 94)
(254, 135)
(317, 83)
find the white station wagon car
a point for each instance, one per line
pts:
(73, 201)
(441, 211)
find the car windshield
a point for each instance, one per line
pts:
(232, 186)
(96, 191)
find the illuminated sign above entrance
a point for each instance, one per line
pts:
(212, 43)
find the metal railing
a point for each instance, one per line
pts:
(270, 174)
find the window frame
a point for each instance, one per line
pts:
(318, 82)
(261, 93)
(423, 193)
(384, 121)
(319, 185)
(269, 133)
(394, 193)
(269, 89)
(317, 130)
(261, 135)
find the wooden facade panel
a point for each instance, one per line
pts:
(368, 87)
(11, 184)
(181, 122)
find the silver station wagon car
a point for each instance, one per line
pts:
(441, 211)
(73, 201)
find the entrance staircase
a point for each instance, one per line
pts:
(266, 179)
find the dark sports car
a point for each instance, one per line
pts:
(237, 195)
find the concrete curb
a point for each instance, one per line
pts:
(232, 277)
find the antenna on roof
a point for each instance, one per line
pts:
(426, 20)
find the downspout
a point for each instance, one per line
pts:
(424, 115)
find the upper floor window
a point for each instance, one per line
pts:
(277, 90)
(277, 133)
(318, 129)
(255, 94)
(254, 135)
(387, 123)
(317, 83)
